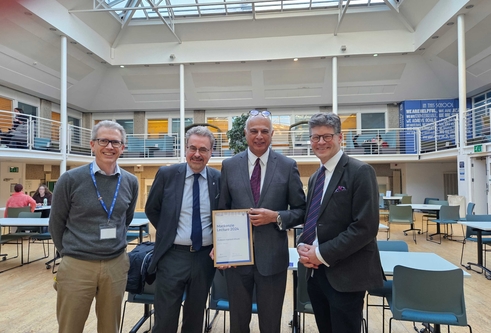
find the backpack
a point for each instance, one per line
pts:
(140, 258)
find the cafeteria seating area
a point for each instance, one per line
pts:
(29, 300)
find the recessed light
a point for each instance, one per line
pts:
(191, 63)
(469, 6)
(53, 29)
(217, 63)
(122, 66)
(242, 62)
(171, 64)
(103, 62)
(434, 37)
(323, 57)
(375, 55)
(347, 56)
(28, 13)
(295, 59)
(73, 42)
(422, 49)
(405, 53)
(450, 23)
(146, 65)
(269, 60)
(90, 53)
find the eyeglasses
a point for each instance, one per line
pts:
(264, 113)
(105, 142)
(202, 150)
(326, 137)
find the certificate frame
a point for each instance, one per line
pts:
(232, 238)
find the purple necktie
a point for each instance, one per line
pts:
(196, 229)
(308, 235)
(256, 181)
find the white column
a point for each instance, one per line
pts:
(335, 85)
(181, 114)
(462, 77)
(63, 103)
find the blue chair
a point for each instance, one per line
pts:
(427, 214)
(469, 211)
(386, 291)
(402, 215)
(448, 215)
(218, 301)
(42, 143)
(430, 297)
(471, 236)
(133, 233)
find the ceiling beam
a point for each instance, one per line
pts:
(342, 12)
(394, 7)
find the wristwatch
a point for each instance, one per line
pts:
(278, 221)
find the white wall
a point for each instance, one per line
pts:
(424, 180)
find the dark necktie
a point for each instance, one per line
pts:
(196, 232)
(256, 181)
(308, 235)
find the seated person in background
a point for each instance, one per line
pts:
(355, 138)
(19, 199)
(380, 142)
(42, 193)
(19, 118)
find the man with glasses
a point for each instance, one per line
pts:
(268, 184)
(338, 244)
(179, 206)
(91, 209)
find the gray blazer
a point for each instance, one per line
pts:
(164, 203)
(282, 191)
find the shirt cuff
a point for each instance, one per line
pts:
(318, 254)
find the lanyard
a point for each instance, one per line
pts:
(100, 197)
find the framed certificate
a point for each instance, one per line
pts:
(232, 237)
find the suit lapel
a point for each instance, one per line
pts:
(244, 175)
(268, 177)
(336, 177)
(179, 188)
(212, 188)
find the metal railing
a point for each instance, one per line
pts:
(44, 134)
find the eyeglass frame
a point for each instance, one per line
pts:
(201, 150)
(112, 142)
(264, 113)
(330, 136)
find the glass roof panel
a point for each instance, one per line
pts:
(180, 8)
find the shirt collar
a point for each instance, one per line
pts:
(96, 169)
(333, 161)
(190, 172)
(252, 158)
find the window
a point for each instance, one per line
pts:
(373, 120)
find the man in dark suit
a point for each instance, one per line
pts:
(342, 224)
(276, 202)
(179, 206)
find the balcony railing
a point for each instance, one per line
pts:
(44, 134)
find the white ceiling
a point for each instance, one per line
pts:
(241, 62)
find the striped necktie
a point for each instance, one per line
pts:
(256, 181)
(308, 235)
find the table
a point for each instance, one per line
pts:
(44, 222)
(435, 208)
(292, 266)
(479, 226)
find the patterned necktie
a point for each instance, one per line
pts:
(308, 235)
(196, 232)
(256, 181)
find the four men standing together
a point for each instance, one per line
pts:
(338, 245)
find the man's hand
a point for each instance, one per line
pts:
(307, 256)
(262, 216)
(212, 256)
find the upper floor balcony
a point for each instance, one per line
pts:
(41, 138)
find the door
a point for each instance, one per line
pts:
(479, 186)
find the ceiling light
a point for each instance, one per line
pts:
(469, 6)
(450, 23)
(217, 63)
(405, 53)
(171, 64)
(295, 59)
(172, 56)
(122, 66)
(269, 60)
(53, 29)
(242, 62)
(422, 49)
(347, 56)
(375, 55)
(146, 65)
(103, 62)
(434, 37)
(90, 53)
(323, 57)
(73, 42)
(191, 63)
(28, 13)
